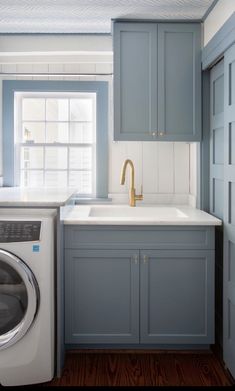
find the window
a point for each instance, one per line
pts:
(57, 140)
(59, 136)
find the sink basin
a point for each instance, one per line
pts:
(127, 212)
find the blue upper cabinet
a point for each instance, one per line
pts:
(179, 81)
(135, 81)
(157, 81)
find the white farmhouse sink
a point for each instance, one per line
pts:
(139, 212)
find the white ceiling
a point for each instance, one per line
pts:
(90, 16)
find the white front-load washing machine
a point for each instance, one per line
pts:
(26, 296)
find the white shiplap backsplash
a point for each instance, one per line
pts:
(166, 170)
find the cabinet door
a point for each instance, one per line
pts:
(101, 296)
(135, 81)
(179, 82)
(217, 140)
(177, 297)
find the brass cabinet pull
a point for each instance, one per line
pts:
(145, 258)
(135, 259)
(155, 134)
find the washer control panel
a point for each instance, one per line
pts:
(19, 231)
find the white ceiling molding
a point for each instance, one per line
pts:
(91, 16)
(56, 49)
(48, 49)
(70, 44)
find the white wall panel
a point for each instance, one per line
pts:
(181, 168)
(166, 167)
(134, 152)
(56, 68)
(9, 68)
(24, 68)
(150, 167)
(40, 68)
(117, 155)
(218, 16)
(193, 169)
(104, 68)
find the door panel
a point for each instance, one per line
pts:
(217, 184)
(101, 296)
(177, 296)
(217, 141)
(179, 81)
(135, 81)
(229, 212)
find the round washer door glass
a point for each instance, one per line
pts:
(19, 297)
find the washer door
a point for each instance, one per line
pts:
(19, 298)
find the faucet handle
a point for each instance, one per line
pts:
(139, 197)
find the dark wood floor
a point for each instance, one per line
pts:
(110, 368)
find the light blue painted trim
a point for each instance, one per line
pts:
(212, 6)
(59, 303)
(198, 182)
(99, 87)
(8, 135)
(221, 41)
(102, 141)
(205, 144)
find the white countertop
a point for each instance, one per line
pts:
(16, 196)
(140, 215)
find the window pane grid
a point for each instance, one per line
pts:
(55, 170)
(57, 121)
(57, 149)
(56, 144)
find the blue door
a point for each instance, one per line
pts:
(229, 211)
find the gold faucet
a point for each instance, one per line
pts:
(132, 196)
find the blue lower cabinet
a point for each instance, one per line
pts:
(177, 297)
(151, 296)
(101, 296)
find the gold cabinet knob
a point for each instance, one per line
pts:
(145, 258)
(135, 259)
